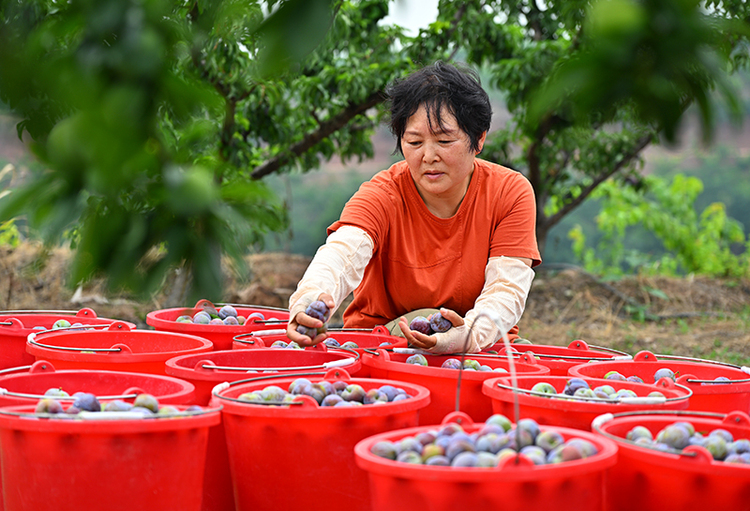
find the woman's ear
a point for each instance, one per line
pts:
(480, 142)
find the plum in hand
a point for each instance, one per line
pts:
(318, 310)
(421, 324)
(439, 324)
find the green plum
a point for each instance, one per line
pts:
(147, 401)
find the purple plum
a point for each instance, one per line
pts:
(417, 359)
(227, 311)
(384, 449)
(439, 324)
(420, 324)
(48, 405)
(451, 363)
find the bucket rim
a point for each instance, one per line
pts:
(605, 458)
(668, 458)
(22, 418)
(496, 388)
(339, 358)
(420, 398)
(155, 319)
(380, 359)
(83, 353)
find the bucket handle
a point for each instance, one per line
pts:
(6, 392)
(531, 351)
(115, 325)
(243, 305)
(640, 400)
(67, 348)
(702, 360)
(81, 312)
(327, 365)
(689, 378)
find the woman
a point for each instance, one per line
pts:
(440, 229)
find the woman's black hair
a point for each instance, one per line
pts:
(437, 86)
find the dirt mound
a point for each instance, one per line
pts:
(693, 316)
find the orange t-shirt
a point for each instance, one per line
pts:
(422, 261)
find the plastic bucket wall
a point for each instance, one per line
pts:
(365, 340)
(302, 456)
(443, 383)
(103, 465)
(32, 384)
(573, 413)
(696, 375)
(42, 376)
(15, 327)
(116, 348)
(560, 359)
(199, 370)
(221, 335)
(649, 480)
(570, 486)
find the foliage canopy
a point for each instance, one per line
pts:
(156, 121)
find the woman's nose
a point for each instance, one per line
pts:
(430, 153)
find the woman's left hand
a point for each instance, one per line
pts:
(426, 342)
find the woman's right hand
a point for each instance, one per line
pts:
(302, 319)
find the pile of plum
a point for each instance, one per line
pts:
(147, 404)
(451, 446)
(580, 388)
(226, 315)
(469, 364)
(326, 393)
(663, 372)
(676, 436)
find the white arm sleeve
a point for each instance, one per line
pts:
(336, 269)
(497, 309)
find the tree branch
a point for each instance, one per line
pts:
(641, 144)
(325, 129)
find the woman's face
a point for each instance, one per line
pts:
(441, 162)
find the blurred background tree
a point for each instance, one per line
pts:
(157, 124)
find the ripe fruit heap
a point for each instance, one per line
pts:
(579, 388)
(146, 404)
(450, 446)
(326, 393)
(676, 436)
(227, 315)
(469, 364)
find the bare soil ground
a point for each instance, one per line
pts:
(693, 317)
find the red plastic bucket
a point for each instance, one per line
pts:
(696, 374)
(102, 464)
(116, 348)
(378, 337)
(512, 486)
(573, 412)
(560, 359)
(302, 456)
(206, 370)
(221, 335)
(26, 385)
(443, 383)
(15, 327)
(649, 480)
